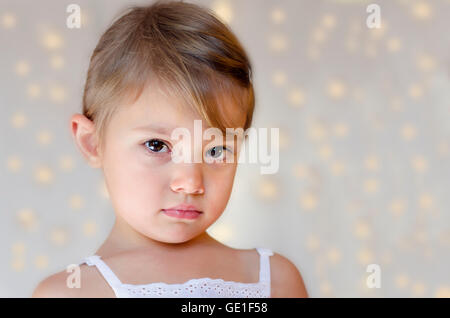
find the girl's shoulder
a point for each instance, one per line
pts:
(62, 285)
(286, 280)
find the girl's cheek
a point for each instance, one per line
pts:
(220, 180)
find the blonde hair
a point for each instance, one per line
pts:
(182, 45)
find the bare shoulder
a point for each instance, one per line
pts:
(286, 280)
(58, 285)
(54, 286)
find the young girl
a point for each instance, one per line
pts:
(155, 69)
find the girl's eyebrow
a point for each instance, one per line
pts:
(167, 130)
(158, 128)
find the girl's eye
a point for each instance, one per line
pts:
(217, 151)
(156, 145)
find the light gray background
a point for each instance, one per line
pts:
(365, 143)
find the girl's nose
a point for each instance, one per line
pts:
(188, 178)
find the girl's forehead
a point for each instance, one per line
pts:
(157, 104)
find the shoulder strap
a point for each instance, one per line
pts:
(264, 264)
(104, 269)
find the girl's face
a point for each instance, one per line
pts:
(142, 179)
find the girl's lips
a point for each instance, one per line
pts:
(184, 206)
(182, 214)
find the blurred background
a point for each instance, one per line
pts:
(364, 118)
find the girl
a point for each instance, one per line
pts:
(155, 69)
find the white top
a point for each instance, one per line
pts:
(194, 288)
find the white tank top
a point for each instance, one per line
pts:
(195, 288)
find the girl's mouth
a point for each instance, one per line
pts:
(183, 214)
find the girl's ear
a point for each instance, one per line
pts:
(84, 135)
